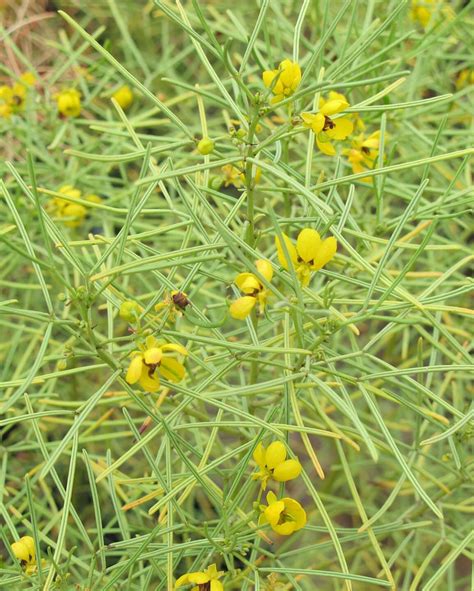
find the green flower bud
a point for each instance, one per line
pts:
(129, 311)
(205, 146)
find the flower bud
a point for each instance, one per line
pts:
(205, 146)
(129, 311)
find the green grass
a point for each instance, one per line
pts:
(365, 374)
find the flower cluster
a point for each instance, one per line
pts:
(13, 97)
(284, 515)
(72, 214)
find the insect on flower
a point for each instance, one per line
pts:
(151, 361)
(274, 465)
(325, 127)
(253, 290)
(207, 580)
(284, 516)
(284, 81)
(310, 253)
(176, 303)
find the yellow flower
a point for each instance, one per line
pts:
(28, 78)
(464, 78)
(424, 11)
(254, 290)
(284, 81)
(310, 254)
(285, 516)
(24, 552)
(152, 360)
(325, 128)
(124, 96)
(5, 101)
(363, 153)
(73, 213)
(274, 465)
(206, 580)
(69, 102)
(236, 176)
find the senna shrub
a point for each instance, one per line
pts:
(234, 253)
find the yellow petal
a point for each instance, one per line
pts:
(259, 455)
(212, 571)
(281, 253)
(134, 370)
(172, 370)
(284, 529)
(334, 106)
(216, 585)
(290, 75)
(324, 145)
(315, 121)
(288, 470)
(268, 76)
(242, 307)
(343, 127)
(147, 382)
(29, 542)
(333, 95)
(276, 454)
(183, 580)
(198, 578)
(296, 511)
(271, 497)
(247, 283)
(153, 356)
(273, 512)
(21, 551)
(174, 347)
(151, 342)
(326, 252)
(265, 268)
(307, 244)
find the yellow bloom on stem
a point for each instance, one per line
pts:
(5, 101)
(310, 253)
(285, 516)
(151, 361)
(207, 580)
(124, 96)
(284, 81)
(253, 290)
(363, 153)
(24, 552)
(274, 465)
(73, 213)
(69, 102)
(464, 78)
(325, 128)
(28, 78)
